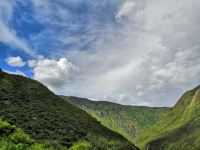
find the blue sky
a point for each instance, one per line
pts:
(137, 52)
(42, 33)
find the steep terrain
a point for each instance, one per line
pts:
(179, 129)
(49, 119)
(13, 138)
(130, 121)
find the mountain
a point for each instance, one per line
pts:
(179, 129)
(13, 138)
(130, 121)
(49, 119)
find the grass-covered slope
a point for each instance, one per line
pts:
(130, 121)
(179, 129)
(49, 119)
(13, 138)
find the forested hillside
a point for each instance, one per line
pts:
(130, 121)
(49, 119)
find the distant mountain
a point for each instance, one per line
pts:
(179, 129)
(130, 121)
(49, 119)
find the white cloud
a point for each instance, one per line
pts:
(151, 54)
(15, 61)
(140, 93)
(8, 35)
(123, 97)
(130, 6)
(51, 72)
(6, 8)
(153, 57)
(16, 73)
(144, 103)
(32, 63)
(51, 12)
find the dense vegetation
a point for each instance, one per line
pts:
(34, 118)
(49, 119)
(13, 138)
(179, 129)
(130, 121)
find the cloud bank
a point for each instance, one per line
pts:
(152, 58)
(139, 52)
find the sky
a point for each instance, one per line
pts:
(133, 52)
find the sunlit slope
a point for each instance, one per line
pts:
(13, 138)
(130, 121)
(179, 129)
(47, 118)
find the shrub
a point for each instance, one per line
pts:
(81, 145)
(20, 137)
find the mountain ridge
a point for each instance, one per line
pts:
(130, 121)
(110, 102)
(47, 118)
(170, 131)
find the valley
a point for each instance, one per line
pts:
(34, 118)
(130, 121)
(50, 120)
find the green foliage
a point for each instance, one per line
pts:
(81, 145)
(46, 117)
(6, 128)
(130, 121)
(179, 129)
(101, 143)
(20, 137)
(13, 138)
(7, 145)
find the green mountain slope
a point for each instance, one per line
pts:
(130, 121)
(179, 129)
(49, 119)
(13, 138)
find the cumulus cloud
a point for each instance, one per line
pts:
(153, 56)
(141, 52)
(15, 61)
(51, 72)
